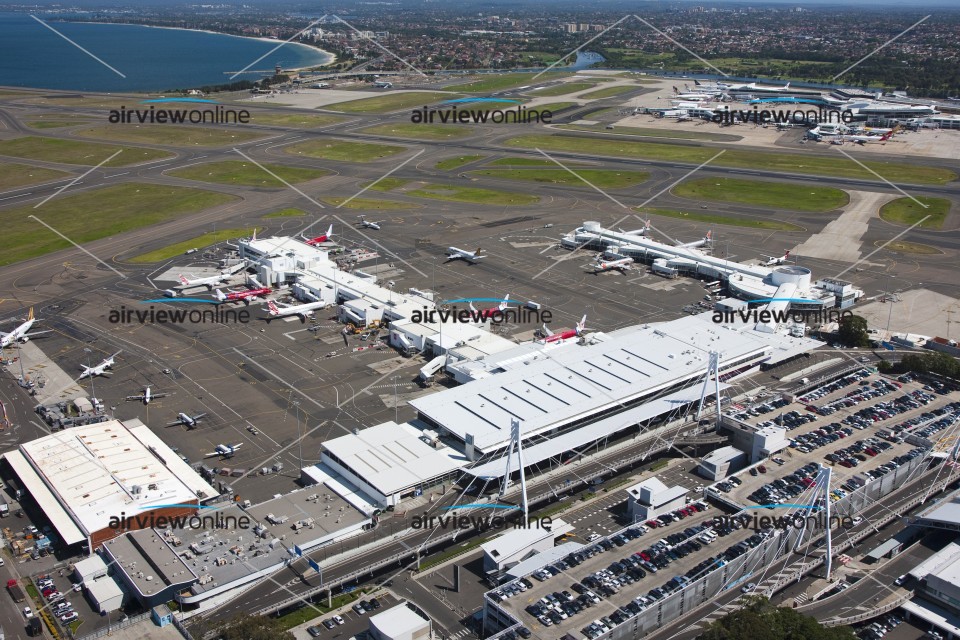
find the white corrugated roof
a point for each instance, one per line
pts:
(581, 380)
(101, 470)
(392, 457)
(399, 621)
(61, 520)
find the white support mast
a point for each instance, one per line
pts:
(712, 368)
(516, 443)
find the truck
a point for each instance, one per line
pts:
(15, 591)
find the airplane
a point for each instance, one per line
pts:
(370, 225)
(21, 333)
(100, 369)
(326, 237)
(489, 313)
(771, 260)
(698, 243)
(147, 396)
(637, 232)
(209, 283)
(459, 254)
(224, 450)
(751, 87)
(187, 420)
(301, 310)
(622, 264)
(245, 296)
(564, 335)
(383, 85)
(866, 139)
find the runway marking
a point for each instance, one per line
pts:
(117, 175)
(18, 196)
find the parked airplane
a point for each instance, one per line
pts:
(188, 421)
(564, 335)
(370, 225)
(147, 396)
(864, 139)
(224, 450)
(209, 282)
(326, 237)
(100, 369)
(301, 310)
(622, 264)
(383, 85)
(459, 254)
(21, 333)
(489, 313)
(698, 243)
(751, 87)
(771, 260)
(245, 296)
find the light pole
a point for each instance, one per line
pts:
(296, 403)
(396, 407)
(93, 392)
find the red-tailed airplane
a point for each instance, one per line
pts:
(565, 335)
(245, 296)
(621, 264)
(327, 237)
(489, 313)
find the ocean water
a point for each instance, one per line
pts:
(152, 59)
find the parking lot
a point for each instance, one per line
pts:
(858, 425)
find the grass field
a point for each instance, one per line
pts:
(501, 81)
(77, 152)
(392, 102)
(902, 246)
(907, 211)
(455, 163)
(473, 195)
(389, 184)
(785, 163)
(343, 151)
(91, 215)
(518, 161)
(170, 135)
(719, 218)
(603, 179)
(608, 92)
(553, 107)
(290, 212)
(419, 131)
(647, 132)
(54, 124)
(298, 120)
(18, 175)
(247, 174)
(563, 89)
(778, 195)
(371, 204)
(207, 239)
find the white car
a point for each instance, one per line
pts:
(338, 619)
(27, 612)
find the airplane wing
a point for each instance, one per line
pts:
(140, 397)
(36, 333)
(199, 416)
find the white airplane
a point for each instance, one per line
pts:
(698, 243)
(622, 264)
(209, 283)
(147, 396)
(637, 232)
(224, 450)
(370, 225)
(383, 85)
(864, 139)
(21, 333)
(302, 310)
(752, 87)
(454, 253)
(772, 260)
(100, 369)
(187, 420)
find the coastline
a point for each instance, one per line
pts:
(323, 52)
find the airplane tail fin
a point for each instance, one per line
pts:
(886, 136)
(582, 324)
(220, 295)
(472, 308)
(696, 82)
(503, 305)
(30, 315)
(273, 308)
(787, 254)
(183, 280)
(546, 330)
(478, 251)
(787, 86)
(330, 231)
(709, 236)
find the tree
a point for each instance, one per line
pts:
(853, 331)
(247, 627)
(760, 619)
